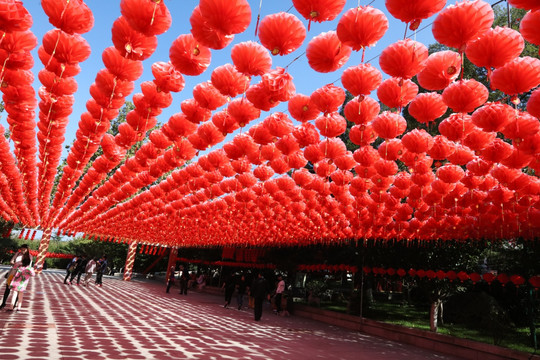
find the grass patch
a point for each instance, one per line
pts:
(417, 317)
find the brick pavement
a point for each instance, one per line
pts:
(138, 320)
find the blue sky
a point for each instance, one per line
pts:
(305, 79)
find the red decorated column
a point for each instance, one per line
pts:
(42, 250)
(172, 261)
(130, 260)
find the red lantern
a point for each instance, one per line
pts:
(147, 17)
(362, 27)
(251, 58)
(226, 16)
(389, 125)
(465, 95)
(302, 108)
(517, 76)
(361, 79)
(414, 12)
(493, 116)
(319, 10)
(229, 81)
(427, 107)
(328, 98)
(529, 26)
(525, 4)
(440, 70)
(188, 56)
(403, 59)
(495, 48)
(458, 24)
(205, 34)
(361, 110)
(397, 93)
(281, 33)
(326, 53)
(417, 141)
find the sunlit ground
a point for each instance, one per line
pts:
(138, 320)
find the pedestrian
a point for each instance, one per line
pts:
(280, 288)
(170, 279)
(184, 277)
(259, 291)
(89, 270)
(20, 281)
(241, 286)
(79, 269)
(16, 261)
(229, 286)
(71, 268)
(100, 270)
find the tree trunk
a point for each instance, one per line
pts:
(441, 313)
(434, 315)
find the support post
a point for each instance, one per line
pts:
(130, 260)
(172, 261)
(42, 250)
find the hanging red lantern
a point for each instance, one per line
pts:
(326, 53)
(331, 124)
(535, 282)
(458, 24)
(496, 151)
(465, 95)
(440, 70)
(397, 93)
(131, 43)
(517, 76)
(328, 98)
(389, 125)
(456, 127)
(529, 26)
(417, 141)
(302, 108)
(361, 110)
(533, 105)
(525, 4)
(208, 96)
(391, 149)
(226, 16)
(362, 135)
(205, 34)
(229, 81)
(15, 17)
(413, 13)
(403, 59)
(188, 56)
(493, 116)
(427, 107)
(319, 10)
(362, 27)
(243, 111)
(279, 84)
(495, 48)
(281, 33)
(250, 58)
(361, 79)
(147, 17)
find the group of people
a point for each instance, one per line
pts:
(259, 291)
(186, 280)
(80, 265)
(17, 278)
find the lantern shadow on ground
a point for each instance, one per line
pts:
(138, 320)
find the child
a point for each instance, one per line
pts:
(20, 281)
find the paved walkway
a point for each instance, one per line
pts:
(138, 320)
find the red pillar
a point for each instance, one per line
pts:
(130, 260)
(42, 250)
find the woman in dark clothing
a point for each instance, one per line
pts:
(241, 286)
(229, 286)
(259, 290)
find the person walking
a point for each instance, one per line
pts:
(241, 286)
(15, 262)
(89, 270)
(71, 268)
(79, 270)
(229, 286)
(184, 277)
(101, 268)
(259, 291)
(20, 281)
(170, 279)
(280, 288)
